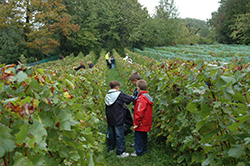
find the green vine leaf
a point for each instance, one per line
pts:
(22, 160)
(235, 151)
(7, 142)
(238, 122)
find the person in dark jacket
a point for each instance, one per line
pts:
(90, 64)
(80, 67)
(112, 59)
(116, 114)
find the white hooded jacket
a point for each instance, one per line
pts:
(111, 96)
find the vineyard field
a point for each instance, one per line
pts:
(217, 52)
(201, 107)
(51, 114)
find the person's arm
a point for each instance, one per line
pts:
(139, 112)
(126, 98)
(80, 67)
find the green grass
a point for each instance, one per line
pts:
(159, 154)
(114, 75)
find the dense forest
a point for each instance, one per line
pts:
(37, 29)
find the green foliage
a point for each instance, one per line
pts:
(241, 27)
(39, 27)
(107, 24)
(193, 31)
(11, 42)
(166, 9)
(23, 60)
(62, 27)
(166, 18)
(229, 19)
(81, 55)
(50, 121)
(7, 143)
(200, 108)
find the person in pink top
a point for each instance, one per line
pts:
(142, 118)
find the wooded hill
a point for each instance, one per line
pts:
(38, 29)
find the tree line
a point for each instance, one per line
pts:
(37, 29)
(231, 22)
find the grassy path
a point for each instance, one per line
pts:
(114, 75)
(158, 153)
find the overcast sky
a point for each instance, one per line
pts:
(199, 9)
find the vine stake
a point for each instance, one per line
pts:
(5, 161)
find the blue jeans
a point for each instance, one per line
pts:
(113, 65)
(116, 139)
(141, 141)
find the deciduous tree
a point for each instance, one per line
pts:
(241, 27)
(225, 17)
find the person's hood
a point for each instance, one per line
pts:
(111, 96)
(148, 97)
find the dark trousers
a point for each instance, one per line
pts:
(141, 141)
(127, 129)
(108, 64)
(116, 139)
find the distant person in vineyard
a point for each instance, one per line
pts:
(62, 57)
(112, 60)
(80, 67)
(142, 118)
(90, 64)
(126, 57)
(115, 114)
(108, 60)
(133, 78)
(130, 60)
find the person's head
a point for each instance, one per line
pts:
(89, 63)
(134, 77)
(141, 85)
(114, 85)
(126, 54)
(81, 63)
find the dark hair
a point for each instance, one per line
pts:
(113, 84)
(135, 75)
(142, 84)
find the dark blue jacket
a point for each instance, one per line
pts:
(112, 60)
(115, 111)
(135, 94)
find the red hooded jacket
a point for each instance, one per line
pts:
(143, 112)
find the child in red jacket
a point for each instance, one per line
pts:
(142, 118)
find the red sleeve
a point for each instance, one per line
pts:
(139, 111)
